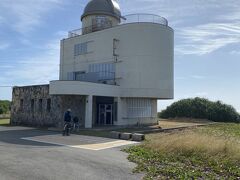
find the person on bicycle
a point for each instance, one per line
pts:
(76, 124)
(67, 122)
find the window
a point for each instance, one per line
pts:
(139, 108)
(106, 71)
(79, 76)
(48, 105)
(21, 105)
(76, 76)
(80, 49)
(32, 105)
(101, 22)
(70, 76)
(40, 101)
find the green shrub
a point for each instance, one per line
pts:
(4, 107)
(201, 108)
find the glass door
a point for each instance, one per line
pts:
(105, 114)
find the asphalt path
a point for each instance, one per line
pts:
(28, 160)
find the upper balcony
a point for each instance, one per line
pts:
(132, 18)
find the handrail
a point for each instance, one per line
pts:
(131, 18)
(145, 17)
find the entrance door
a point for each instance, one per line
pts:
(105, 114)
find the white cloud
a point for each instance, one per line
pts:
(235, 52)
(196, 94)
(198, 77)
(204, 39)
(201, 94)
(4, 46)
(200, 27)
(25, 15)
(1, 19)
(180, 78)
(39, 69)
(6, 66)
(62, 33)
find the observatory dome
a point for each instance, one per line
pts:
(102, 7)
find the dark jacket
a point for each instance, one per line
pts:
(67, 117)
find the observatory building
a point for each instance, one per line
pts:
(112, 72)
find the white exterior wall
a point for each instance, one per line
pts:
(83, 88)
(145, 67)
(125, 120)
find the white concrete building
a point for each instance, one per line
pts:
(120, 65)
(124, 63)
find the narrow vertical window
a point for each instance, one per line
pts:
(32, 105)
(48, 105)
(21, 105)
(40, 101)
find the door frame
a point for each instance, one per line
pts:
(105, 114)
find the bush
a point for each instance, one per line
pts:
(4, 107)
(201, 108)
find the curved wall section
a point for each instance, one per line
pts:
(145, 62)
(146, 53)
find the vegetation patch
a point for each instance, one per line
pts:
(211, 152)
(201, 108)
(4, 107)
(4, 121)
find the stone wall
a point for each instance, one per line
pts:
(33, 106)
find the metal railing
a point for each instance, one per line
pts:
(138, 18)
(131, 18)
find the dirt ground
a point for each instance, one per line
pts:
(182, 122)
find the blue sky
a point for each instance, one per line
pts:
(207, 43)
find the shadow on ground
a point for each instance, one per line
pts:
(14, 135)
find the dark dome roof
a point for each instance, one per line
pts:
(106, 7)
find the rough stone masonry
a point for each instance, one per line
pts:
(33, 106)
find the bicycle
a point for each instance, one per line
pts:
(66, 129)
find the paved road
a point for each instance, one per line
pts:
(28, 160)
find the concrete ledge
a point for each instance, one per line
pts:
(115, 135)
(126, 136)
(138, 137)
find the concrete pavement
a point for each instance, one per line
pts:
(22, 159)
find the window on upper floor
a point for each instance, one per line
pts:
(105, 71)
(80, 49)
(79, 76)
(101, 22)
(97, 73)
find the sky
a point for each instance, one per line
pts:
(207, 43)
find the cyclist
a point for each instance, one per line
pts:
(67, 122)
(76, 124)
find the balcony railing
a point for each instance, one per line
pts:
(132, 18)
(138, 18)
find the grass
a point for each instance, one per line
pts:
(4, 121)
(164, 124)
(101, 133)
(181, 122)
(211, 152)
